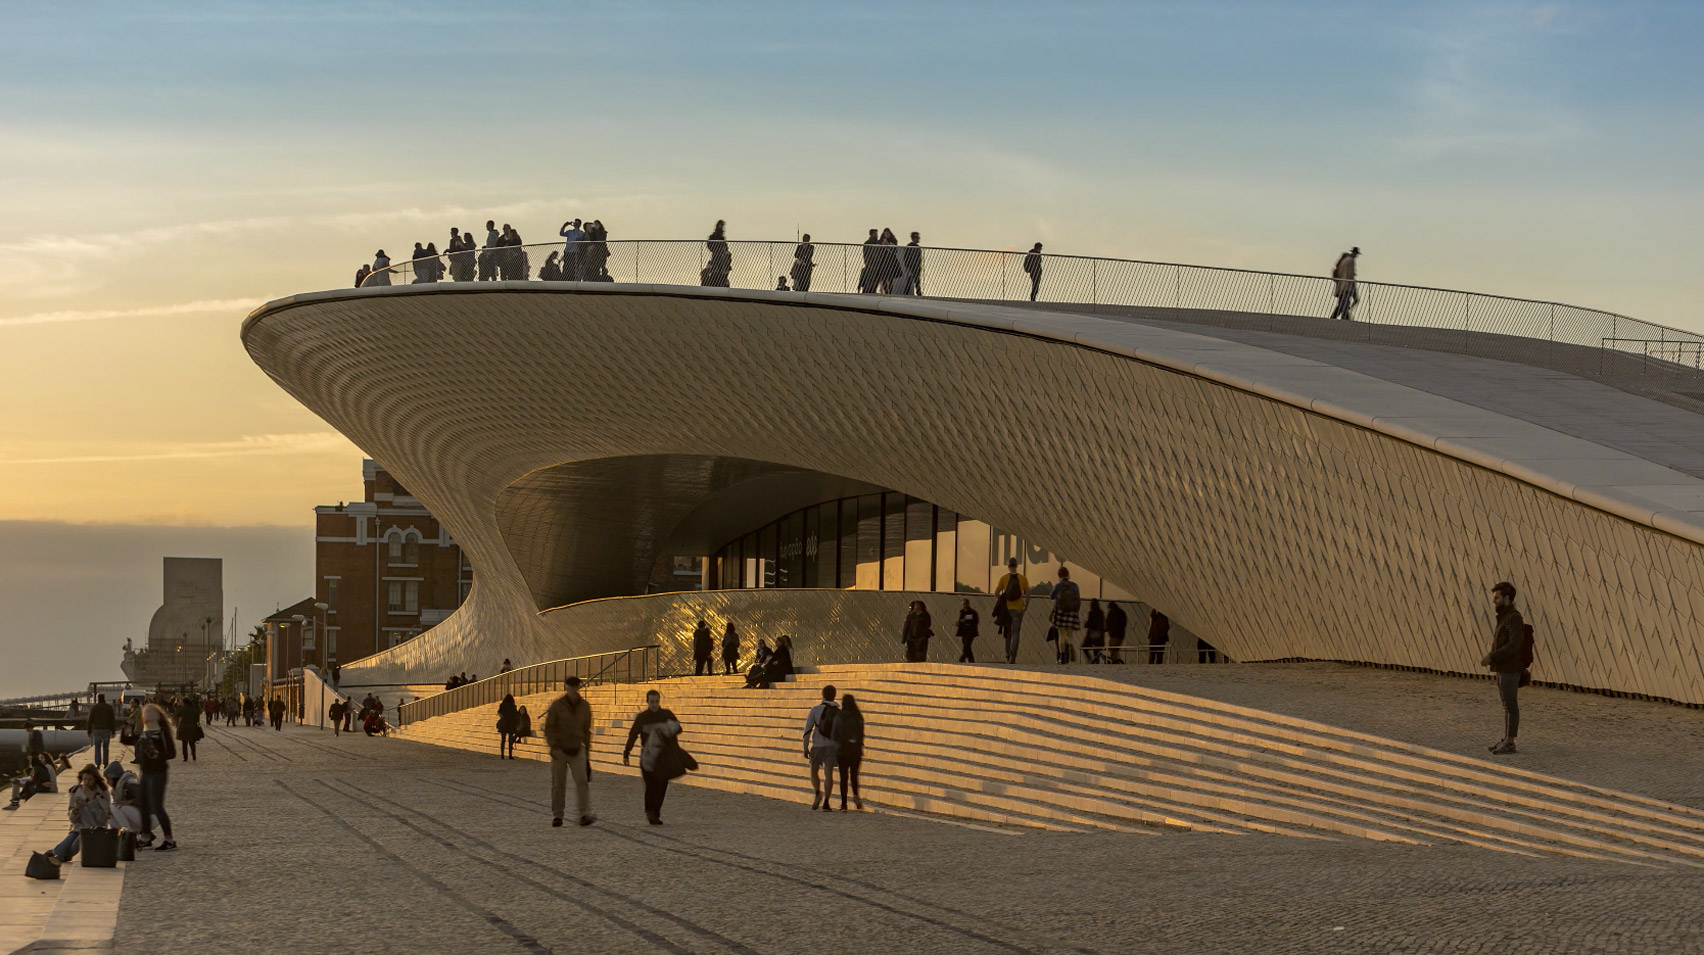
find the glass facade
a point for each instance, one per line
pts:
(890, 541)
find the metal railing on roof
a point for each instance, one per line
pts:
(1080, 283)
(633, 665)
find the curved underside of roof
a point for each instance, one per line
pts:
(1278, 507)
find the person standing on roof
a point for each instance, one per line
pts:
(1343, 284)
(572, 238)
(1032, 267)
(804, 264)
(821, 749)
(1013, 591)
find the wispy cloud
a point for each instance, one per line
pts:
(310, 442)
(1471, 95)
(235, 306)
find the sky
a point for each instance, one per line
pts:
(165, 168)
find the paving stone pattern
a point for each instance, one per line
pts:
(300, 842)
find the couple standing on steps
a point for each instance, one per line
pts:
(834, 739)
(568, 733)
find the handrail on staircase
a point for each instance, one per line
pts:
(633, 665)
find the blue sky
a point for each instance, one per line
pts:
(166, 167)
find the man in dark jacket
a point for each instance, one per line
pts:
(275, 712)
(1117, 623)
(1508, 643)
(568, 733)
(102, 722)
(1032, 267)
(658, 728)
(703, 646)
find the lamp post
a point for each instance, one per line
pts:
(326, 655)
(301, 659)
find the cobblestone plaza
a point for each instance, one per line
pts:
(302, 842)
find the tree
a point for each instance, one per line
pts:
(237, 670)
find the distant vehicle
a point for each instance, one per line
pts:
(132, 697)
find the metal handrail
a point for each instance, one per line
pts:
(538, 678)
(1100, 284)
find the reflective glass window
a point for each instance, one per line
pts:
(893, 541)
(767, 556)
(869, 543)
(847, 571)
(748, 560)
(828, 548)
(946, 548)
(1040, 566)
(790, 566)
(919, 544)
(813, 546)
(1001, 546)
(973, 558)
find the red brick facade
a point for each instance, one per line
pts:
(385, 567)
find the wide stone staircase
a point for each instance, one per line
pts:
(1070, 752)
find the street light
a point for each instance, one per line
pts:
(301, 654)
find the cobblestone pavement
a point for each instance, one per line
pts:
(1632, 745)
(299, 842)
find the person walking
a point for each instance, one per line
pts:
(1117, 624)
(89, 807)
(334, 713)
(381, 273)
(1067, 602)
(155, 750)
(508, 723)
(804, 264)
(872, 252)
(820, 747)
(660, 731)
(703, 646)
(721, 261)
(1013, 590)
(916, 633)
(911, 259)
(730, 649)
(1159, 634)
(1032, 267)
(1343, 284)
(102, 723)
(568, 733)
(1094, 633)
(275, 713)
(968, 621)
(849, 749)
(1507, 660)
(189, 730)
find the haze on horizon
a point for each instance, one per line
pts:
(165, 168)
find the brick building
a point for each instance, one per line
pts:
(386, 569)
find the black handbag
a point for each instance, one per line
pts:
(41, 867)
(99, 848)
(1052, 634)
(126, 845)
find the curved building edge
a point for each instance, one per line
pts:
(1420, 494)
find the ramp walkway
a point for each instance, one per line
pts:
(1075, 752)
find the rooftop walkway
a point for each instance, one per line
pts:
(304, 843)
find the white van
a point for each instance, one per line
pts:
(131, 698)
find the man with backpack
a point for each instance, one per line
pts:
(1013, 590)
(821, 749)
(1508, 660)
(1067, 607)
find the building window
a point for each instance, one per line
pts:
(331, 594)
(394, 601)
(462, 589)
(393, 546)
(411, 596)
(411, 548)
